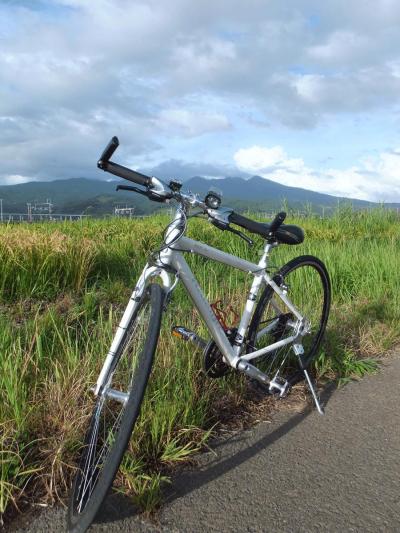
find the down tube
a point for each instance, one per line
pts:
(202, 305)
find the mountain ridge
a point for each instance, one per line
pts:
(83, 195)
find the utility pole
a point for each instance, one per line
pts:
(1, 209)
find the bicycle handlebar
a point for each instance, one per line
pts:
(244, 222)
(109, 150)
(264, 229)
(105, 164)
(158, 191)
(127, 174)
(278, 221)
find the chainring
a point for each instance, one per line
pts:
(213, 362)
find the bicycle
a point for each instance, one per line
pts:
(283, 336)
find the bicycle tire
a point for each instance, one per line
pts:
(88, 493)
(304, 284)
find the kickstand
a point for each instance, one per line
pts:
(299, 351)
(313, 392)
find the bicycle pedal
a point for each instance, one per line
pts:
(279, 387)
(187, 335)
(182, 333)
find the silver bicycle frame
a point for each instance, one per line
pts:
(171, 259)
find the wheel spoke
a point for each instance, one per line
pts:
(108, 413)
(89, 456)
(101, 454)
(307, 287)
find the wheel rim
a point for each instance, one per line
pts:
(110, 408)
(306, 288)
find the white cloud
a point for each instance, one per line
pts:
(74, 72)
(374, 179)
(15, 179)
(268, 159)
(191, 123)
(340, 46)
(355, 92)
(308, 87)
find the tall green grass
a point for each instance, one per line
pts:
(62, 290)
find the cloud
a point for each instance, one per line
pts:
(268, 160)
(15, 180)
(169, 76)
(373, 178)
(367, 88)
(339, 46)
(191, 123)
(183, 170)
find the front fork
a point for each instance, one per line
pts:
(148, 273)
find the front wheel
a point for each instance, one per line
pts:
(115, 412)
(306, 283)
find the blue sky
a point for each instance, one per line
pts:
(306, 93)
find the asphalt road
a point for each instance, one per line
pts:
(300, 473)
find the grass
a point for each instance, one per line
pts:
(62, 290)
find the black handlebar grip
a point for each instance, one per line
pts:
(118, 170)
(128, 174)
(278, 221)
(246, 223)
(108, 152)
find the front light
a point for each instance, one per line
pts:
(213, 199)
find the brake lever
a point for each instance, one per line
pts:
(226, 227)
(130, 188)
(146, 192)
(249, 241)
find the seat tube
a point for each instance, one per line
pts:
(251, 299)
(247, 313)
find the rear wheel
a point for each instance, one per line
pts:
(306, 283)
(115, 412)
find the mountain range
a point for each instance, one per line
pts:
(96, 197)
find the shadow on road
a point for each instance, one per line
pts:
(188, 481)
(117, 507)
